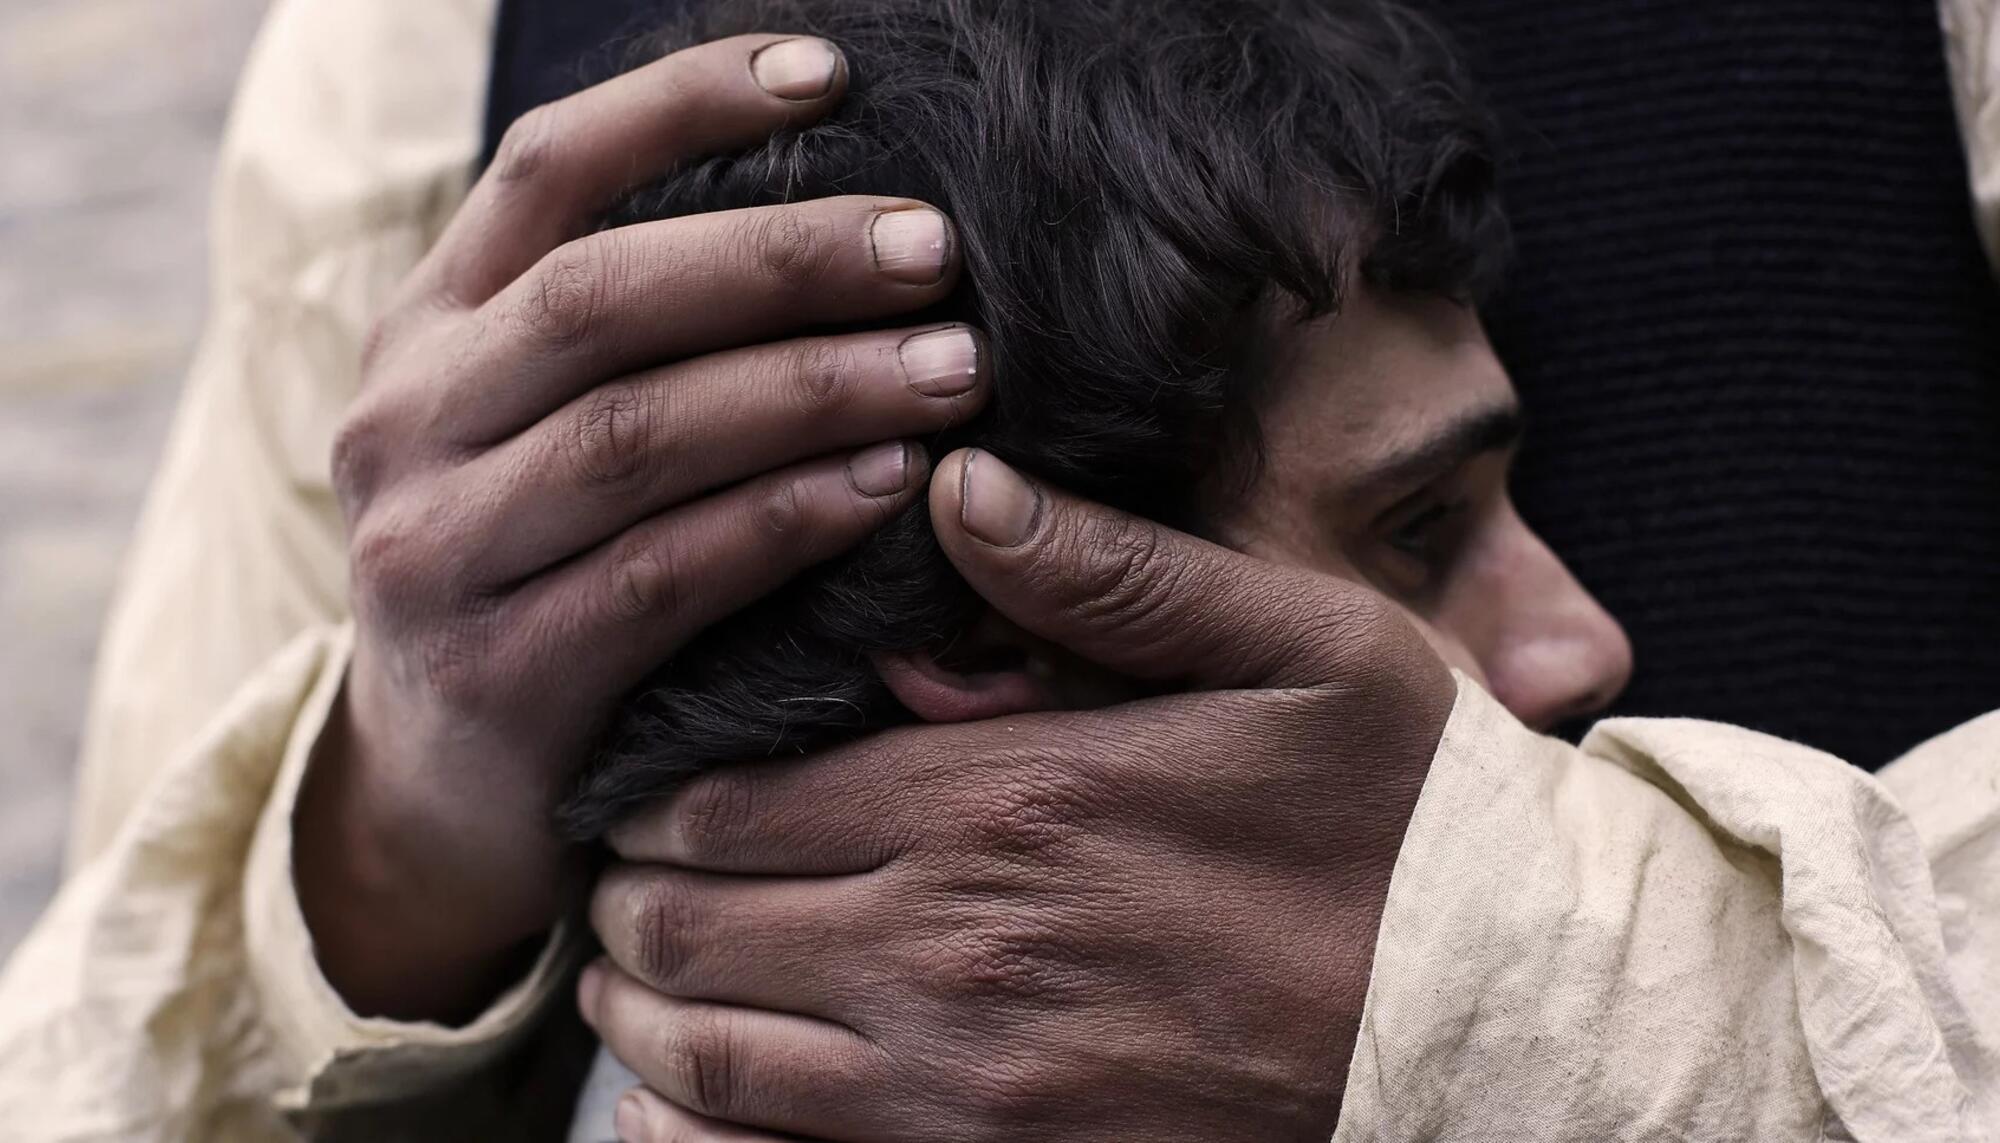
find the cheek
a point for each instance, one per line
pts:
(1282, 545)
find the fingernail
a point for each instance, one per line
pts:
(630, 1118)
(881, 471)
(911, 245)
(589, 987)
(997, 506)
(941, 363)
(796, 69)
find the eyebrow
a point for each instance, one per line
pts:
(1485, 430)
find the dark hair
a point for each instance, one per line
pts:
(1132, 180)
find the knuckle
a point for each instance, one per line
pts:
(387, 560)
(403, 584)
(528, 147)
(823, 377)
(780, 513)
(1002, 960)
(1011, 1098)
(703, 1062)
(564, 306)
(1359, 618)
(710, 815)
(609, 439)
(455, 655)
(661, 918)
(357, 458)
(794, 251)
(1125, 580)
(1031, 809)
(1363, 631)
(375, 346)
(644, 583)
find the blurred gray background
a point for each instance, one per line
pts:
(110, 115)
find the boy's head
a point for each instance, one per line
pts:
(1223, 253)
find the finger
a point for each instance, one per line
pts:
(854, 811)
(560, 166)
(827, 815)
(636, 447)
(1141, 598)
(643, 1117)
(779, 944)
(620, 610)
(746, 1066)
(637, 296)
(1025, 788)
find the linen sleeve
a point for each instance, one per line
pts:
(1680, 931)
(349, 145)
(171, 992)
(1972, 51)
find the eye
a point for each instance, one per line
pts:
(1417, 541)
(1428, 529)
(1413, 548)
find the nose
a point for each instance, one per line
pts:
(1575, 666)
(1550, 652)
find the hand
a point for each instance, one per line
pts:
(571, 453)
(1154, 922)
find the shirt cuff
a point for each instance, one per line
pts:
(1522, 967)
(342, 1059)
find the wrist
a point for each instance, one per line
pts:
(410, 919)
(1375, 822)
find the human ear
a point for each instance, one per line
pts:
(991, 670)
(936, 692)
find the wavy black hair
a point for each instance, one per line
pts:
(1134, 183)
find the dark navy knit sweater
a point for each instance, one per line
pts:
(1760, 349)
(1757, 341)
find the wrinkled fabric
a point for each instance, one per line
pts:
(347, 150)
(170, 992)
(1676, 931)
(1972, 49)
(1686, 931)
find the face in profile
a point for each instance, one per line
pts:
(1387, 431)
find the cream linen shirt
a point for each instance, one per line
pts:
(1677, 931)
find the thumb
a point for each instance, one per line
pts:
(1143, 599)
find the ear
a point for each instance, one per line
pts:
(938, 693)
(991, 670)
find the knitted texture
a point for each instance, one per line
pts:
(1761, 353)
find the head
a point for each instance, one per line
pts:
(1224, 254)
